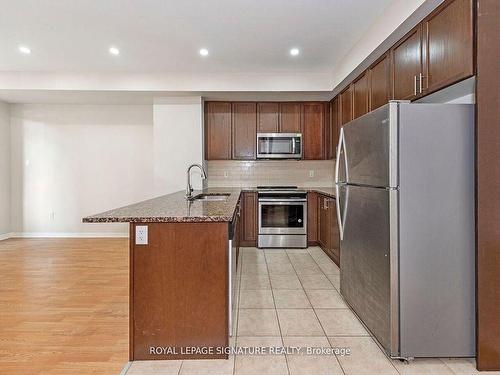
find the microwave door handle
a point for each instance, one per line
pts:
(293, 146)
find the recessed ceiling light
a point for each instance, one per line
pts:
(204, 52)
(25, 50)
(294, 51)
(114, 51)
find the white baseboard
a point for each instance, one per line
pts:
(66, 235)
(6, 236)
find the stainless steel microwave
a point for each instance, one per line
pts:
(279, 146)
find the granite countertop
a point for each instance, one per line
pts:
(330, 191)
(174, 208)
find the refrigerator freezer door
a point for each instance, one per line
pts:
(368, 275)
(370, 148)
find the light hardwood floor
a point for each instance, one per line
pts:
(63, 306)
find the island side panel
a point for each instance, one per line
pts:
(179, 289)
(131, 241)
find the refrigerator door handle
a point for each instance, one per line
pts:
(337, 159)
(339, 216)
(341, 147)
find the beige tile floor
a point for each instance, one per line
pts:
(291, 298)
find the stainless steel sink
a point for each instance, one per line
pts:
(211, 197)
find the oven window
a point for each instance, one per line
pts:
(281, 145)
(282, 216)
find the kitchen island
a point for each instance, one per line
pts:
(179, 274)
(182, 272)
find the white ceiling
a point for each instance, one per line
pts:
(163, 36)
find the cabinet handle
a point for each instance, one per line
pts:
(420, 76)
(415, 85)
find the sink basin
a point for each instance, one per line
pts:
(211, 197)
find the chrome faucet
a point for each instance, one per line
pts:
(189, 188)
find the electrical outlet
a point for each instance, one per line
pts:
(141, 235)
(226, 174)
(311, 173)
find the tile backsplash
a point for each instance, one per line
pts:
(306, 173)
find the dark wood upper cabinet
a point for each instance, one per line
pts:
(290, 117)
(217, 130)
(360, 96)
(448, 44)
(379, 83)
(268, 117)
(333, 138)
(249, 219)
(244, 130)
(407, 65)
(313, 131)
(346, 105)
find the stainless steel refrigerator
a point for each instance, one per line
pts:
(405, 192)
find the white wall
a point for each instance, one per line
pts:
(397, 12)
(69, 161)
(5, 226)
(462, 92)
(178, 140)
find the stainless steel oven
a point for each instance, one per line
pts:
(279, 145)
(282, 219)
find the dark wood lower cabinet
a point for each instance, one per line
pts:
(328, 234)
(179, 289)
(312, 219)
(249, 230)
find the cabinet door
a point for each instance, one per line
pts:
(244, 130)
(407, 65)
(321, 222)
(333, 139)
(324, 224)
(346, 106)
(217, 131)
(268, 117)
(249, 219)
(448, 42)
(360, 96)
(290, 118)
(312, 218)
(313, 131)
(379, 83)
